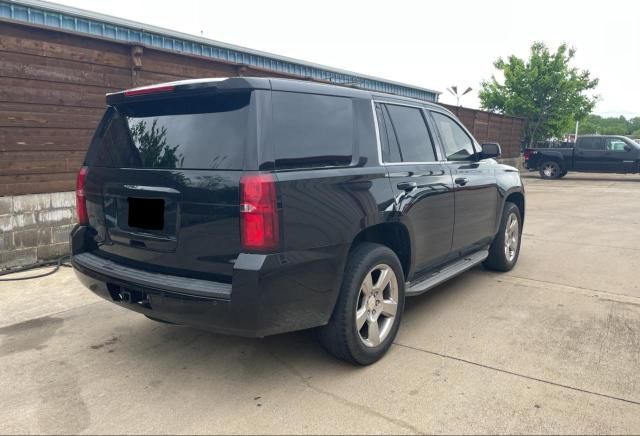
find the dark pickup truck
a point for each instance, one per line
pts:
(593, 153)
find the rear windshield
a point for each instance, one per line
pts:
(204, 132)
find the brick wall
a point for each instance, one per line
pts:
(35, 227)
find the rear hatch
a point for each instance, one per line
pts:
(163, 181)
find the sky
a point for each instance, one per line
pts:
(431, 44)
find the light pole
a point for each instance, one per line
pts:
(454, 91)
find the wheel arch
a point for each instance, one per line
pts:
(393, 235)
(514, 195)
(518, 199)
(552, 156)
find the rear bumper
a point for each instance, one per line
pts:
(269, 294)
(144, 279)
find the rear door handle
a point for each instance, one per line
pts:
(461, 181)
(407, 186)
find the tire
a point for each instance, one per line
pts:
(502, 257)
(366, 305)
(550, 170)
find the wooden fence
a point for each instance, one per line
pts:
(52, 87)
(490, 127)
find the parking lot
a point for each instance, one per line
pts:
(551, 347)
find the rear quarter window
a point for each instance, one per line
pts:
(312, 130)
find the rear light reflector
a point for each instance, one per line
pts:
(148, 90)
(81, 199)
(259, 227)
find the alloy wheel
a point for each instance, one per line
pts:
(551, 170)
(511, 237)
(377, 305)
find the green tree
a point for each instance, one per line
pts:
(635, 127)
(152, 145)
(610, 126)
(544, 89)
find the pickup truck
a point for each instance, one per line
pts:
(591, 153)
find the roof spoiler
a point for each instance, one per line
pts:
(186, 87)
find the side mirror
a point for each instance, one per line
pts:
(490, 150)
(627, 147)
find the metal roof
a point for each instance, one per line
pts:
(67, 18)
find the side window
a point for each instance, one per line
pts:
(455, 141)
(615, 144)
(312, 130)
(407, 130)
(591, 143)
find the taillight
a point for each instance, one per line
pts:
(527, 154)
(148, 90)
(81, 199)
(259, 227)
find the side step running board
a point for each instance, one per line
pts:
(446, 273)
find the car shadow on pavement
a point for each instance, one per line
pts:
(170, 348)
(169, 351)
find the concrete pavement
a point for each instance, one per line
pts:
(551, 347)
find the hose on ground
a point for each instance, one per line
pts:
(57, 264)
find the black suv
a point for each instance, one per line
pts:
(255, 206)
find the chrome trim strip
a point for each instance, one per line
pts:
(377, 127)
(151, 189)
(398, 103)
